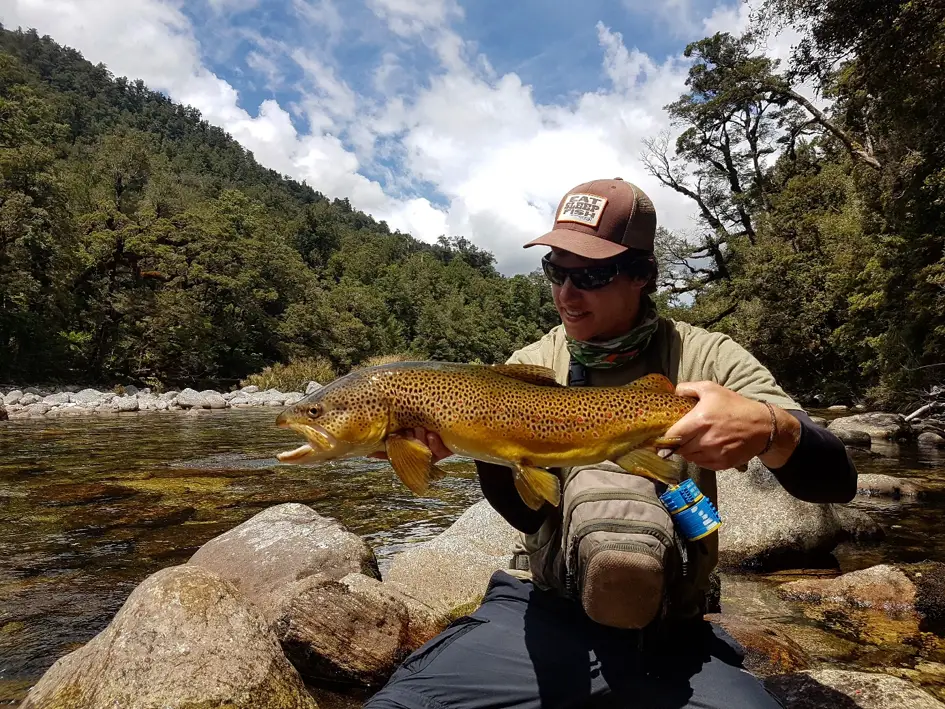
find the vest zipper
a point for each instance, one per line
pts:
(628, 546)
(623, 525)
(596, 496)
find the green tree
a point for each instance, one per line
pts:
(35, 230)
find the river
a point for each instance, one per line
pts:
(91, 506)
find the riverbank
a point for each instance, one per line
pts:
(37, 402)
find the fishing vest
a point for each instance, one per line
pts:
(611, 544)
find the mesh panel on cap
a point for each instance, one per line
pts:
(642, 225)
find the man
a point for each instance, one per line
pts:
(532, 643)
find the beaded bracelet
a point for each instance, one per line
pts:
(774, 429)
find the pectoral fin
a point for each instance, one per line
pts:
(648, 464)
(413, 463)
(535, 486)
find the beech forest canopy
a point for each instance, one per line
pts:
(140, 244)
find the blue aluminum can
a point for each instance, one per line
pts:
(693, 512)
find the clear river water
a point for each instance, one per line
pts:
(91, 506)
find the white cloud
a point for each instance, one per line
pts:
(503, 160)
(677, 17)
(264, 65)
(388, 77)
(232, 6)
(412, 17)
(499, 158)
(322, 13)
(333, 94)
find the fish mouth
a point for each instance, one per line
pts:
(318, 440)
(294, 456)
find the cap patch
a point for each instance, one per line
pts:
(582, 208)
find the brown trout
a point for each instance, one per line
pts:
(512, 414)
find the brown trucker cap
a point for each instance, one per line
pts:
(601, 219)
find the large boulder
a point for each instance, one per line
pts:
(355, 630)
(37, 409)
(769, 648)
(62, 397)
(192, 399)
(213, 399)
(857, 525)
(126, 403)
(875, 484)
(423, 621)
(765, 527)
(904, 590)
(452, 571)
(184, 638)
(835, 689)
(931, 439)
(879, 426)
(87, 396)
(282, 545)
(853, 437)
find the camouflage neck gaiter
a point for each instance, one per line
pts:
(619, 350)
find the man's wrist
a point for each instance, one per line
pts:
(786, 438)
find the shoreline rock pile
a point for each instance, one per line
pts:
(33, 402)
(867, 429)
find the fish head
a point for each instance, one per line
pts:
(347, 418)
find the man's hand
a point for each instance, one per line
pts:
(433, 441)
(726, 430)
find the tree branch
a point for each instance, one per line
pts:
(720, 316)
(852, 146)
(665, 176)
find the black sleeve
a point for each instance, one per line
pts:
(498, 487)
(820, 468)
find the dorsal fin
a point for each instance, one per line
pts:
(653, 382)
(531, 373)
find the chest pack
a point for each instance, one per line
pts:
(621, 553)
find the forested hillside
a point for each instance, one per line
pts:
(140, 244)
(822, 236)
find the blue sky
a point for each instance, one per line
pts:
(438, 116)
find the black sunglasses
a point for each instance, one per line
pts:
(591, 277)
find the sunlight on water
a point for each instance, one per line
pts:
(89, 507)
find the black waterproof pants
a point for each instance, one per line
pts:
(527, 648)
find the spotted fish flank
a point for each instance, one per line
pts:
(514, 415)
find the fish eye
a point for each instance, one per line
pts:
(314, 411)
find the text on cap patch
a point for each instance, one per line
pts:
(582, 208)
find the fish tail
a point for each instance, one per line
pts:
(536, 486)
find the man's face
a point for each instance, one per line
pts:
(599, 314)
